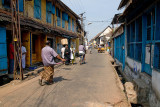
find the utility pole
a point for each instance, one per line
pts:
(16, 32)
(82, 24)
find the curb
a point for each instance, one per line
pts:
(38, 70)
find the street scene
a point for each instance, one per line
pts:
(87, 85)
(79, 53)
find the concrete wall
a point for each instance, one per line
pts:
(134, 65)
(155, 82)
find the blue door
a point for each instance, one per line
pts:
(149, 42)
(3, 52)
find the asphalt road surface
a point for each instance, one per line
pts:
(93, 84)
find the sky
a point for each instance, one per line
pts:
(97, 12)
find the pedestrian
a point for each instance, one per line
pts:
(82, 51)
(72, 54)
(62, 51)
(23, 56)
(48, 54)
(67, 55)
(11, 57)
(90, 49)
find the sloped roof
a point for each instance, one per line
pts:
(67, 8)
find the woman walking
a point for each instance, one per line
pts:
(67, 55)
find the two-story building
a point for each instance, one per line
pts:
(40, 20)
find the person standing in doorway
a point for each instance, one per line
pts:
(11, 57)
(48, 55)
(23, 56)
(67, 55)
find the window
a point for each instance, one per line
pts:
(69, 23)
(48, 12)
(64, 18)
(37, 9)
(6, 3)
(73, 25)
(58, 14)
(134, 39)
(157, 56)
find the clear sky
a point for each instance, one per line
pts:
(96, 11)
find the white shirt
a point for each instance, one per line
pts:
(23, 51)
(62, 50)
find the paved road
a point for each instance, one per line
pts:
(91, 85)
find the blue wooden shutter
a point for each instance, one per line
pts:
(72, 25)
(69, 23)
(156, 56)
(3, 52)
(21, 6)
(53, 9)
(37, 9)
(48, 11)
(2, 2)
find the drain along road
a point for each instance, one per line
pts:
(94, 84)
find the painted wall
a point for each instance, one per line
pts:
(136, 66)
(108, 30)
(0, 3)
(155, 82)
(43, 10)
(29, 8)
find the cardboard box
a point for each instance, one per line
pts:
(64, 41)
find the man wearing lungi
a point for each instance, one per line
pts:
(48, 54)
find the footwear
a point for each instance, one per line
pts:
(48, 83)
(40, 82)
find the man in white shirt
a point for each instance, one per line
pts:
(23, 56)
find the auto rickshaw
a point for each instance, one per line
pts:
(101, 48)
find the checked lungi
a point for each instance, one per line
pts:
(48, 73)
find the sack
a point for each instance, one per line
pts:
(64, 41)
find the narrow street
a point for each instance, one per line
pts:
(93, 84)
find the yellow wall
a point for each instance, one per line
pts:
(0, 3)
(77, 44)
(43, 10)
(26, 43)
(29, 8)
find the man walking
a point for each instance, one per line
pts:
(48, 55)
(82, 51)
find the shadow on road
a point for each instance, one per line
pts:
(59, 79)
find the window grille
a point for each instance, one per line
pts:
(138, 52)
